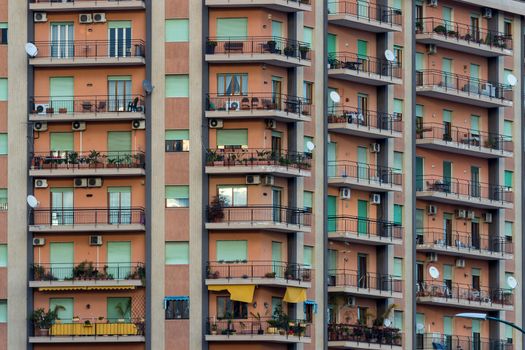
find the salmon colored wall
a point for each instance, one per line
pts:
(177, 168)
(347, 39)
(3, 57)
(259, 244)
(433, 164)
(346, 148)
(3, 171)
(349, 206)
(177, 334)
(259, 20)
(460, 14)
(350, 252)
(349, 90)
(177, 59)
(462, 327)
(259, 76)
(246, 346)
(177, 280)
(102, 346)
(3, 334)
(349, 314)
(259, 136)
(460, 225)
(460, 275)
(176, 9)
(257, 194)
(180, 231)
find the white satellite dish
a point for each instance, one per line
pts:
(420, 326)
(512, 80)
(387, 322)
(334, 96)
(310, 146)
(146, 85)
(512, 282)
(389, 55)
(433, 271)
(32, 201)
(31, 50)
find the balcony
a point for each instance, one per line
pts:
(365, 16)
(87, 220)
(93, 163)
(368, 285)
(265, 330)
(463, 37)
(466, 296)
(86, 108)
(370, 124)
(463, 192)
(441, 341)
(92, 330)
(363, 69)
(462, 89)
(257, 161)
(363, 176)
(463, 244)
(465, 141)
(89, 53)
(270, 50)
(87, 276)
(278, 5)
(259, 105)
(85, 5)
(261, 273)
(354, 336)
(364, 231)
(260, 217)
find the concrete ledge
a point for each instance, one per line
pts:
(363, 239)
(362, 23)
(88, 5)
(462, 303)
(274, 282)
(345, 344)
(87, 228)
(464, 252)
(257, 225)
(88, 339)
(366, 292)
(362, 131)
(259, 114)
(436, 91)
(451, 198)
(82, 283)
(269, 58)
(279, 5)
(75, 172)
(469, 47)
(373, 186)
(272, 338)
(363, 77)
(258, 169)
(87, 61)
(461, 148)
(103, 116)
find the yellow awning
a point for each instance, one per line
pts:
(237, 292)
(44, 289)
(295, 295)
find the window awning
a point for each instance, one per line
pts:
(310, 302)
(175, 298)
(44, 289)
(295, 295)
(237, 292)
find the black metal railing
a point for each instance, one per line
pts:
(56, 106)
(88, 271)
(254, 326)
(466, 241)
(364, 334)
(87, 160)
(231, 157)
(365, 120)
(87, 216)
(463, 84)
(232, 45)
(364, 64)
(79, 49)
(464, 137)
(366, 281)
(258, 101)
(461, 32)
(367, 11)
(453, 187)
(259, 269)
(429, 341)
(365, 173)
(263, 213)
(94, 327)
(366, 228)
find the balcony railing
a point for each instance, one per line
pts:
(366, 11)
(476, 243)
(364, 64)
(364, 281)
(87, 160)
(426, 341)
(87, 216)
(264, 326)
(366, 228)
(95, 328)
(231, 157)
(56, 106)
(364, 334)
(453, 187)
(263, 213)
(459, 32)
(81, 49)
(365, 173)
(258, 101)
(463, 84)
(365, 120)
(258, 45)
(463, 292)
(259, 269)
(88, 271)
(472, 139)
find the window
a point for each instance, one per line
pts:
(3, 33)
(177, 85)
(509, 334)
(3, 255)
(227, 27)
(398, 162)
(277, 303)
(308, 91)
(177, 308)
(308, 255)
(227, 308)
(398, 109)
(308, 200)
(232, 84)
(398, 214)
(3, 144)
(507, 130)
(398, 320)
(507, 28)
(234, 196)
(232, 250)
(3, 198)
(120, 36)
(177, 196)
(177, 140)
(3, 311)
(309, 310)
(177, 253)
(398, 55)
(506, 73)
(177, 30)
(119, 309)
(509, 228)
(398, 268)
(3, 89)
(308, 36)
(508, 178)
(507, 275)
(419, 118)
(232, 138)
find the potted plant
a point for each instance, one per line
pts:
(62, 110)
(272, 326)
(289, 51)
(216, 209)
(93, 157)
(269, 275)
(210, 47)
(272, 45)
(304, 51)
(419, 27)
(214, 329)
(38, 272)
(43, 320)
(87, 323)
(50, 110)
(123, 310)
(257, 316)
(440, 29)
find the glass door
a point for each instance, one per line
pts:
(362, 109)
(332, 106)
(119, 205)
(447, 125)
(475, 85)
(119, 310)
(276, 203)
(447, 229)
(420, 223)
(474, 182)
(420, 66)
(119, 147)
(447, 18)
(448, 330)
(119, 94)
(332, 267)
(119, 259)
(63, 307)
(62, 206)
(446, 68)
(447, 176)
(362, 9)
(476, 335)
(62, 40)
(474, 229)
(447, 280)
(474, 28)
(419, 174)
(119, 33)
(474, 130)
(362, 272)
(277, 92)
(61, 257)
(277, 259)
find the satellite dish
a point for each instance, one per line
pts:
(334, 96)
(433, 271)
(387, 322)
(148, 88)
(512, 282)
(389, 55)
(420, 326)
(31, 50)
(310, 146)
(32, 201)
(512, 80)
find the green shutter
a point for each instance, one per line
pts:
(509, 227)
(3, 311)
(119, 141)
(3, 143)
(62, 141)
(64, 308)
(446, 65)
(308, 256)
(3, 89)
(119, 24)
(508, 178)
(447, 272)
(398, 320)
(474, 123)
(117, 189)
(3, 255)
(474, 71)
(420, 320)
(232, 250)
(237, 137)
(172, 135)
(332, 212)
(118, 308)
(476, 272)
(3, 198)
(398, 267)
(277, 251)
(277, 29)
(61, 253)
(61, 91)
(447, 17)
(447, 325)
(331, 43)
(398, 162)
(3, 25)
(177, 253)
(119, 78)
(119, 259)
(308, 36)
(306, 140)
(332, 261)
(476, 326)
(308, 199)
(507, 275)
(398, 214)
(447, 116)
(237, 27)
(507, 129)
(331, 159)
(398, 105)
(177, 30)
(362, 49)
(397, 4)
(419, 110)
(509, 332)
(420, 61)
(177, 192)
(177, 85)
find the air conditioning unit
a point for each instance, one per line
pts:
(233, 106)
(461, 214)
(215, 123)
(85, 18)
(138, 124)
(268, 180)
(253, 179)
(40, 17)
(39, 126)
(41, 108)
(471, 215)
(432, 210)
(431, 49)
(80, 182)
(345, 193)
(432, 257)
(40, 183)
(432, 3)
(99, 17)
(271, 124)
(486, 12)
(350, 301)
(38, 242)
(487, 217)
(460, 263)
(94, 182)
(375, 147)
(78, 126)
(375, 198)
(95, 240)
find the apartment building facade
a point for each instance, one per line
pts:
(232, 174)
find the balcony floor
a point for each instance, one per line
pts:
(75, 172)
(362, 131)
(365, 292)
(276, 170)
(257, 225)
(461, 148)
(87, 339)
(462, 45)
(362, 77)
(87, 228)
(342, 344)
(259, 114)
(271, 282)
(268, 58)
(451, 198)
(278, 5)
(93, 5)
(442, 93)
(71, 117)
(362, 239)
(264, 338)
(85, 283)
(463, 252)
(463, 304)
(364, 185)
(362, 23)
(87, 61)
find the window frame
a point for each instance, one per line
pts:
(237, 309)
(174, 308)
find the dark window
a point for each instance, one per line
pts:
(227, 308)
(3, 36)
(177, 309)
(309, 313)
(177, 145)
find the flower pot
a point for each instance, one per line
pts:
(213, 332)
(41, 332)
(62, 110)
(271, 330)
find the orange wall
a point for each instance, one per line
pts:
(259, 76)
(259, 136)
(433, 164)
(257, 194)
(259, 244)
(259, 20)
